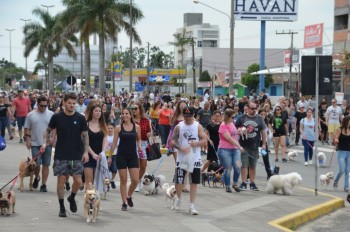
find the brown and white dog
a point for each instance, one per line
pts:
(91, 203)
(106, 187)
(26, 168)
(170, 195)
(325, 179)
(7, 202)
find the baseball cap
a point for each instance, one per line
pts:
(301, 105)
(187, 111)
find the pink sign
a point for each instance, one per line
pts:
(313, 36)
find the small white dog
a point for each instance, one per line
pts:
(292, 155)
(326, 179)
(170, 195)
(321, 159)
(152, 184)
(285, 183)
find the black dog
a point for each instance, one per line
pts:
(213, 175)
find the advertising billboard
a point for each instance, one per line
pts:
(313, 36)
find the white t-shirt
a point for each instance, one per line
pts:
(189, 133)
(109, 144)
(333, 114)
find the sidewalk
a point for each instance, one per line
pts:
(218, 210)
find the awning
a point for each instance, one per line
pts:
(282, 70)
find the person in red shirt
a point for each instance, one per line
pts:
(21, 105)
(165, 114)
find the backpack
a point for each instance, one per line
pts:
(2, 143)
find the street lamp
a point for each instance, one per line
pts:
(47, 7)
(25, 44)
(232, 28)
(10, 30)
(130, 58)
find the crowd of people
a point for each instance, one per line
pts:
(83, 128)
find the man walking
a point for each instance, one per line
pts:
(34, 128)
(188, 137)
(21, 105)
(71, 149)
(255, 127)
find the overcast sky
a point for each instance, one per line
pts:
(163, 17)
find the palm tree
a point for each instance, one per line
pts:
(47, 37)
(106, 18)
(180, 42)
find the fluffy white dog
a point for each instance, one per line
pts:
(170, 195)
(152, 184)
(321, 159)
(292, 155)
(325, 179)
(285, 183)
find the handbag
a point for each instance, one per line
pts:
(153, 149)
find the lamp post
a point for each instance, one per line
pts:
(130, 58)
(232, 28)
(25, 24)
(10, 30)
(47, 7)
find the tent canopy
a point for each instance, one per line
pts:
(282, 70)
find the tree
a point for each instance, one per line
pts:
(205, 76)
(252, 81)
(180, 42)
(10, 71)
(48, 38)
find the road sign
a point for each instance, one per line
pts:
(270, 10)
(71, 80)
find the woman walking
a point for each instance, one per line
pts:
(265, 154)
(300, 114)
(229, 151)
(279, 127)
(165, 114)
(308, 135)
(129, 135)
(342, 139)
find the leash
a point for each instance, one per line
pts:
(159, 164)
(259, 162)
(333, 152)
(14, 180)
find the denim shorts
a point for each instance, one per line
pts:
(43, 159)
(20, 122)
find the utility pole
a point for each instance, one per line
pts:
(130, 60)
(147, 81)
(292, 33)
(193, 67)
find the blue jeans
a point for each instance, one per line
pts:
(3, 125)
(308, 152)
(164, 131)
(230, 158)
(344, 166)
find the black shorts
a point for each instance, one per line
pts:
(67, 167)
(124, 162)
(194, 177)
(91, 164)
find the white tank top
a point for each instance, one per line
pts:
(189, 133)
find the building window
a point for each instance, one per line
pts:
(341, 22)
(199, 44)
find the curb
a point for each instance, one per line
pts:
(292, 221)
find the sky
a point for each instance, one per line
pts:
(163, 17)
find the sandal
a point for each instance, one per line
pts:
(185, 190)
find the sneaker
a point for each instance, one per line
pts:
(43, 188)
(67, 185)
(124, 207)
(138, 187)
(62, 212)
(130, 203)
(284, 160)
(228, 190)
(72, 205)
(11, 137)
(178, 204)
(306, 163)
(20, 140)
(192, 211)
(36, 182)
(276, 160)
(310, 161)
(113, 185)
(243, 186)
(335, 184)
(236, 188)
(253, 187)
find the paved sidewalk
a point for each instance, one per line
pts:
(218, 210)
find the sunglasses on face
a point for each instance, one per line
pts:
(43, 105)
(277, 109)
(135, 108)
(252, 108)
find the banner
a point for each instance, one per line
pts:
(313, 36)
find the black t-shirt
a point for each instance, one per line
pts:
(254, 127)
(298, 115)
(146, 106)
(3, 110)
(278, 125)
(69, 144)
(195, 111)
(213, 130)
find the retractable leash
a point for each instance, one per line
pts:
(254, 158)
(159, 164)
(330, 163)
(13, 180)
(215, 152)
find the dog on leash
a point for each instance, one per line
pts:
(26, 168)
(292, 155)
(325, 179)
(214, 174)
(151, 184)
(7, 202)
(170, 195)
(106, 187)
(91, 203)
(321, 159)
(285, 183)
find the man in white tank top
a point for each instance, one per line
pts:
(188, 137)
